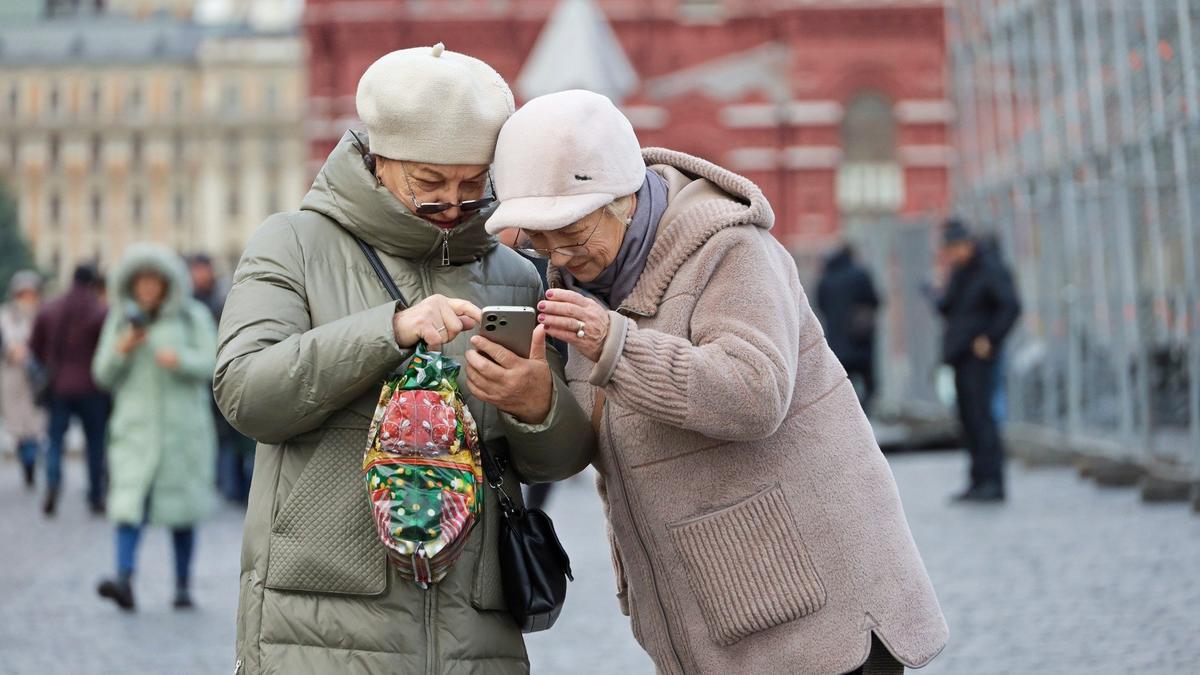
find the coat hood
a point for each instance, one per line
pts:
(346, 192)
(154, 257)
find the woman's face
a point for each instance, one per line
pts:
(28, 297)
(426, 183)
(149, 291)
(603, 234)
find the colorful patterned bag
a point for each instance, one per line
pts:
(422, 467)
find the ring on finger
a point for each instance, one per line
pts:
(442, 329)
(581, 332)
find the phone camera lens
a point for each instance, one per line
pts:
(490, 327)
(491, 317)
(503, 322)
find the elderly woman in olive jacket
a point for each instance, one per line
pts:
(756, 525)
(307, 337)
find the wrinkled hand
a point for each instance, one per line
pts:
(982, 347)
(167, 358)
(436, 320)
(562, 313)
(520, 387)
(131, 340)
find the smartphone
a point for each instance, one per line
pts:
(510, 327)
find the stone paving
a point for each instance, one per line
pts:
(1066, 578)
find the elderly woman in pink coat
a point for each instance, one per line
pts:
(755, 525)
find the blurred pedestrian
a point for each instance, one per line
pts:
(754, 520)
(156, 357)
(235, 452)
(980, 306)
(848, 303)
(65, 335)
(23, 419)
(310, 332)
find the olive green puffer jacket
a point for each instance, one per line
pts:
(305, 342)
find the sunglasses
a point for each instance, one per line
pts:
(525, 244)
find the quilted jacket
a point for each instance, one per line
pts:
(305, 343)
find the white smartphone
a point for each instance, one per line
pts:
(510, 327)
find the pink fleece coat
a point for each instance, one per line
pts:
(754, 520)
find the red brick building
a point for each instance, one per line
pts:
(837, 108)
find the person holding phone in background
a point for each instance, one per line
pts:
(756, 527)
(156, 357)
(309, 333)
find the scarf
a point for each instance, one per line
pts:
(617, 280)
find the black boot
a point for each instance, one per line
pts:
(51, 502)
(987, 491)
(28, 469)
(118, 590)
(183, 599)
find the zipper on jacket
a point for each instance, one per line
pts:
(431, 648)
(237, 667)
(641, 542)
(445, 248)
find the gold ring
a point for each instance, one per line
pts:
(580, 332)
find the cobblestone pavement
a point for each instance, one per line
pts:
(1065, 578)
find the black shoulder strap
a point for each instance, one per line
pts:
(380, 271)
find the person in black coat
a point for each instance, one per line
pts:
(848, 303)
(980, 306)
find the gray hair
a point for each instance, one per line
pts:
(25, 280)
(621, 208)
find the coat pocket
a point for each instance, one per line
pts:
(748, 567)
(323, 540)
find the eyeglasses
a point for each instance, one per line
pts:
(525, 244)
(430, 208)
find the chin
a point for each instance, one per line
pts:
(585, 274)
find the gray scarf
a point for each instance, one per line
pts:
(617, 280)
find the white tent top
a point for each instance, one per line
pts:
(577, 49)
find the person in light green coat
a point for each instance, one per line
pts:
(309, 334)
(156, 357)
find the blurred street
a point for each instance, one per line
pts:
(1065, 578)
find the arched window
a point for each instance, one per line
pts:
(869, 178)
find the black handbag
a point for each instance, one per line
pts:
(533, 563)
(534, 567)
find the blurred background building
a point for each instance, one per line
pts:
(837, 108)
(119, 127)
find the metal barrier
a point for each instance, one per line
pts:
(1079, 144)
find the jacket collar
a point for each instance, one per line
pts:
(346, 192)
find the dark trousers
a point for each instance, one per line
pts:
(183, 540)
(879, 662)
(862, 376)
(974, 381)
(92, 412)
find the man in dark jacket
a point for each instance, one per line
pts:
(980, 306)
(235, 452)
(64, 339)
(848, 304)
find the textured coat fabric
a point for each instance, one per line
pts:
(305, 343)
(64, 340)
(757, 523)
(162, 442)
(23, 419)
(980, 300)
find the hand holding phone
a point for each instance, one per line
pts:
(509, 327)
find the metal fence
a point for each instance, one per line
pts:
(1079, 145)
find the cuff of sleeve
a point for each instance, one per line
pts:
(397, 307)
(517, 425)
(614, 344)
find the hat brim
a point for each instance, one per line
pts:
(541, 214)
